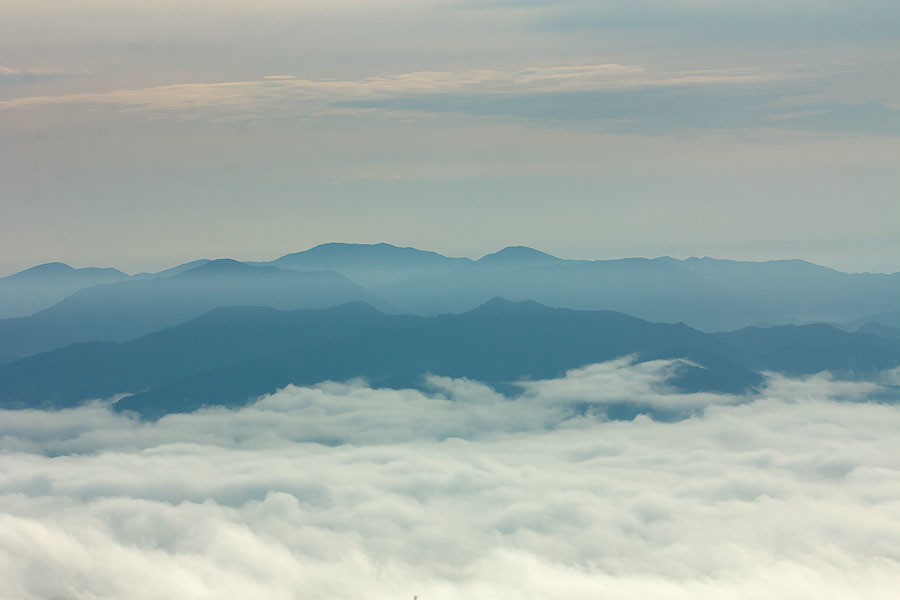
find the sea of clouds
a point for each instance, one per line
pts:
(344, 491)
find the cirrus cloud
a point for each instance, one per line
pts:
(286, 95)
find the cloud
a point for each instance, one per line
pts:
(12, 75)
(613, 98)
(343, 491)
(729, 21)
(287, 96)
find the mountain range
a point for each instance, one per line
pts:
(40, 287)
(128, 309)
(60, 304)
(229, 356)
(223, 331)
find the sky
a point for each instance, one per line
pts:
(345, 491)
(140, 135)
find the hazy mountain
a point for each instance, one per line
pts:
(796, 291)
(130, 309)
(652, 289)
(710, 294)
(370, 264)
(40, 287)
(174, 270)
(891, 318)
(230, 355)
(705, 293)
(881, 329)
(517, 256)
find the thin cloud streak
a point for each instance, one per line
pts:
(17, 75)
(284, 95)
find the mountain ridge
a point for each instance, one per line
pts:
(705, 293)
(131, 308)
(228, 356)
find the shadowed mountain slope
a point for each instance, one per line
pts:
(804, 349)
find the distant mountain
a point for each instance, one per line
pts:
(709, 294)
(370, 264)
(517, 256)
(796, 291)
(174, 270)
(652, 289)
(891, 318)
(40, 287)
(704, 293)
(228, 356)
(880, 329)
(129, 309)
(804, 349)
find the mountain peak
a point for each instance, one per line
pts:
(333, 253)
(220, 266)
(518, 255)
(57, 271)
(51, 268)
(347, 250)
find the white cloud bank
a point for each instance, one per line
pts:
(343, 491)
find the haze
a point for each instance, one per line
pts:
(167, 131)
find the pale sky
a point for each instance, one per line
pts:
(140, 135)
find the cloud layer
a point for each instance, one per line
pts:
(343, 491)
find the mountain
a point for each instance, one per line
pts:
(174, 270)
(880, 329)
(891, 318)
(231, 355)
(517, 256)
(704, 293)
(709, 294)
(370, 264)
(40, 287)
(796, 291)
(804, 349)
(129, 309)
(652, 289)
